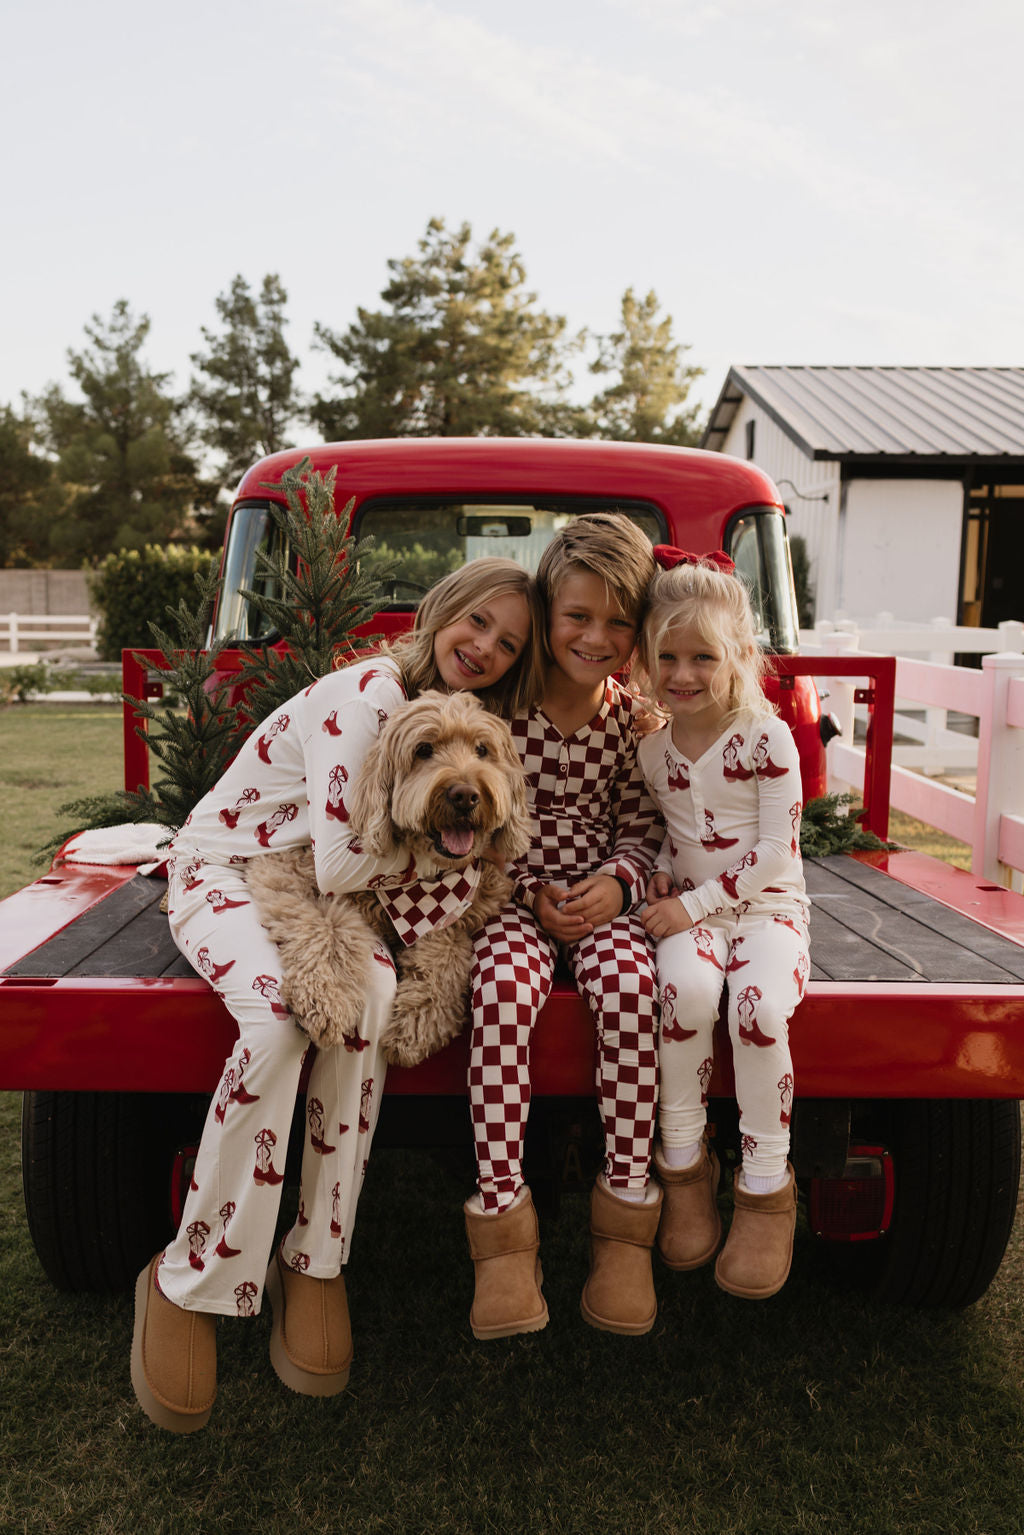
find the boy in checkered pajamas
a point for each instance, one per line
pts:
(596, 835)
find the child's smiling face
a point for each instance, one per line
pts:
(589, 636)
(688, 667)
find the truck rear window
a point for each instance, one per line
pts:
(420, 541)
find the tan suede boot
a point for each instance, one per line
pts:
(690, 1232)
(754, 1263)
(311, 1337)
(504, 1249)
(174, 1358)
(619, 1293)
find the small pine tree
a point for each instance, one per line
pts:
(827, 828)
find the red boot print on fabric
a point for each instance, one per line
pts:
(732, 767)
(748, 1145)
(239, 1093)
(265, 1172)
(197, 1233)
(299, 1263)
(245, 1298)
(270, 987)
(704, 1071)
(795, 812)
(221, 903)
(764, 767)
(705, 946)
(785, 1099)
(746, 1006)
(230, 816)
(800, 974)
(210, 969)
(677, 778)
(785, 921)
(330, 726)
(731, 875)
(365, 1103)
(263, 745)
(222, 1249)
(671, 1029)
(336, 1210)
(710, 841)
(337, 778)
(735, 963)
(268, 828)
(315, 1117)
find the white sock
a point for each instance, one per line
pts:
(681, 1156)
(631, 1196)
(764, 1185)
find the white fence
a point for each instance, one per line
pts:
(984, 754)
(20, 632)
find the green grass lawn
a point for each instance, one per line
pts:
(815, 1412)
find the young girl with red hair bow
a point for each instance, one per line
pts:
(726, 905)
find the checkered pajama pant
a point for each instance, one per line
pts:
(513, 966)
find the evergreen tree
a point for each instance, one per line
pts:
(28, 499)
(460, 349)
(120, 450)
(245, 387)
(647, 402)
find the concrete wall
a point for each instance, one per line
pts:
(43, 591)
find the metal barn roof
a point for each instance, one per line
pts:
(889, 413)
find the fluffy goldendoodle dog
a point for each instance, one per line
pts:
(443, 781)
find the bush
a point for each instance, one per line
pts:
(136, 586)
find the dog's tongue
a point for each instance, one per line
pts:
(458, 843)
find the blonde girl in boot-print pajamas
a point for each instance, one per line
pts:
(478, 629)
(727, 908)
(596, 834)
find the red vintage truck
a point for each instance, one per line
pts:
(908, 1047)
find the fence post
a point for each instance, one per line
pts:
(1000, 787)
(1011, 635)
(12, 620)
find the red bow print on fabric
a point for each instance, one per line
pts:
(668, 558)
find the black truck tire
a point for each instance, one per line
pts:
(96, 1173)
(956, 1174)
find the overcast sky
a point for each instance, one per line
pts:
(800, 181)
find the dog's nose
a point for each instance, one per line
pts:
(464, 797)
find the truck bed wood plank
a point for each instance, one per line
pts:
(933, 950)
(865, 926)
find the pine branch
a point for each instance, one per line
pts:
(312, 594)
(824, 829)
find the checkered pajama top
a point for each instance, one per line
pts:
(591, 810)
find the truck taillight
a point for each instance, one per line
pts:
(856, 1207)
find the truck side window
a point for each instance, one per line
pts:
(757, 542)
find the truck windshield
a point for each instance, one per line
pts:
(416, 541)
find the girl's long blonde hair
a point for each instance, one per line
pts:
(451, 600)
(700, 595)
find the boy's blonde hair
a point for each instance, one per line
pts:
(700, 596)
(610, 546)
(450, 600)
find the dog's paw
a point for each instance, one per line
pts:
(412, 1036)
(326, 1027)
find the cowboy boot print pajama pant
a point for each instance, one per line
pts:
(218, 1261)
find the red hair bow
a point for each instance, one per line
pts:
(668, 558)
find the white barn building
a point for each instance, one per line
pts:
(907, 484)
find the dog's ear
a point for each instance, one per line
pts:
(370, 801)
